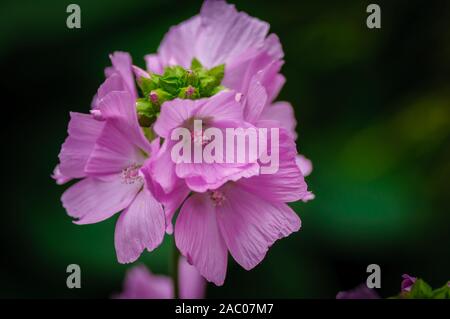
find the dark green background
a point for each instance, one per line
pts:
(373, 108)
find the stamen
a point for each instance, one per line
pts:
(130, 175)
(217, 197)
(199, 138)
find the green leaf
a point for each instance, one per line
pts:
(217, 73)
(174, 71)
(170, 84)
(442, 293)
(196, 65)
(148, 84)
(420, 290)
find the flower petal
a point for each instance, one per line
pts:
(191, 284)
(122, 64)
(83, 131)
(283, 113)
(154, 64)
(250, 224)
(92, 200)
(140, 283)
(227, 33)
(141, 226)
(198, 239)
(112, 153)
(173, 114)
(304, 164)
(287, 184)
(112, 83)
(120, 108)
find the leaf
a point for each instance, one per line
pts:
(420, 290)
(196, 65)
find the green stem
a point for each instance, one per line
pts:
(175, 276)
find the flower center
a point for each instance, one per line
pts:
(199, 138)
(130, 175)
(217, 197)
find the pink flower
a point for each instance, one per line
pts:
(360, 292)
(222, 35)
(171, 182)
(140, 283)
(244, 217)
(408, 282)
(107, 155)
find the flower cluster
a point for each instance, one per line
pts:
(221, 67)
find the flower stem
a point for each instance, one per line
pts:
(175, 277)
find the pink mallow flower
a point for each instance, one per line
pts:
(243, 217)
(171, 181)
(222, 35)
(140, 283)
(107, 154)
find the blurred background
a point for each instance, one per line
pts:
(373, 108)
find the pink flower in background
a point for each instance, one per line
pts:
(407, 282)
(360, 292)
(140, 283)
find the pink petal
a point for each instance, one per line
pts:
(173, 114)
(92, 200)
(198, 239)
(141, 226)
(288, 183)
(271, 78)
(283, 113)
(120, 108)
(139, 73)
(227, 33)
(192, 285)
(304, 164)
(59, 178)
(202, 177)
(112, 153)
(83, 131)
(215, 37)
(113, 83)
(255, 102)
(122, 64)
(220, 107)
(140, 283)
(178, 46)
(250, 225)
(154, 64)
(160, 169)
(272, 46)
(252, 66)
